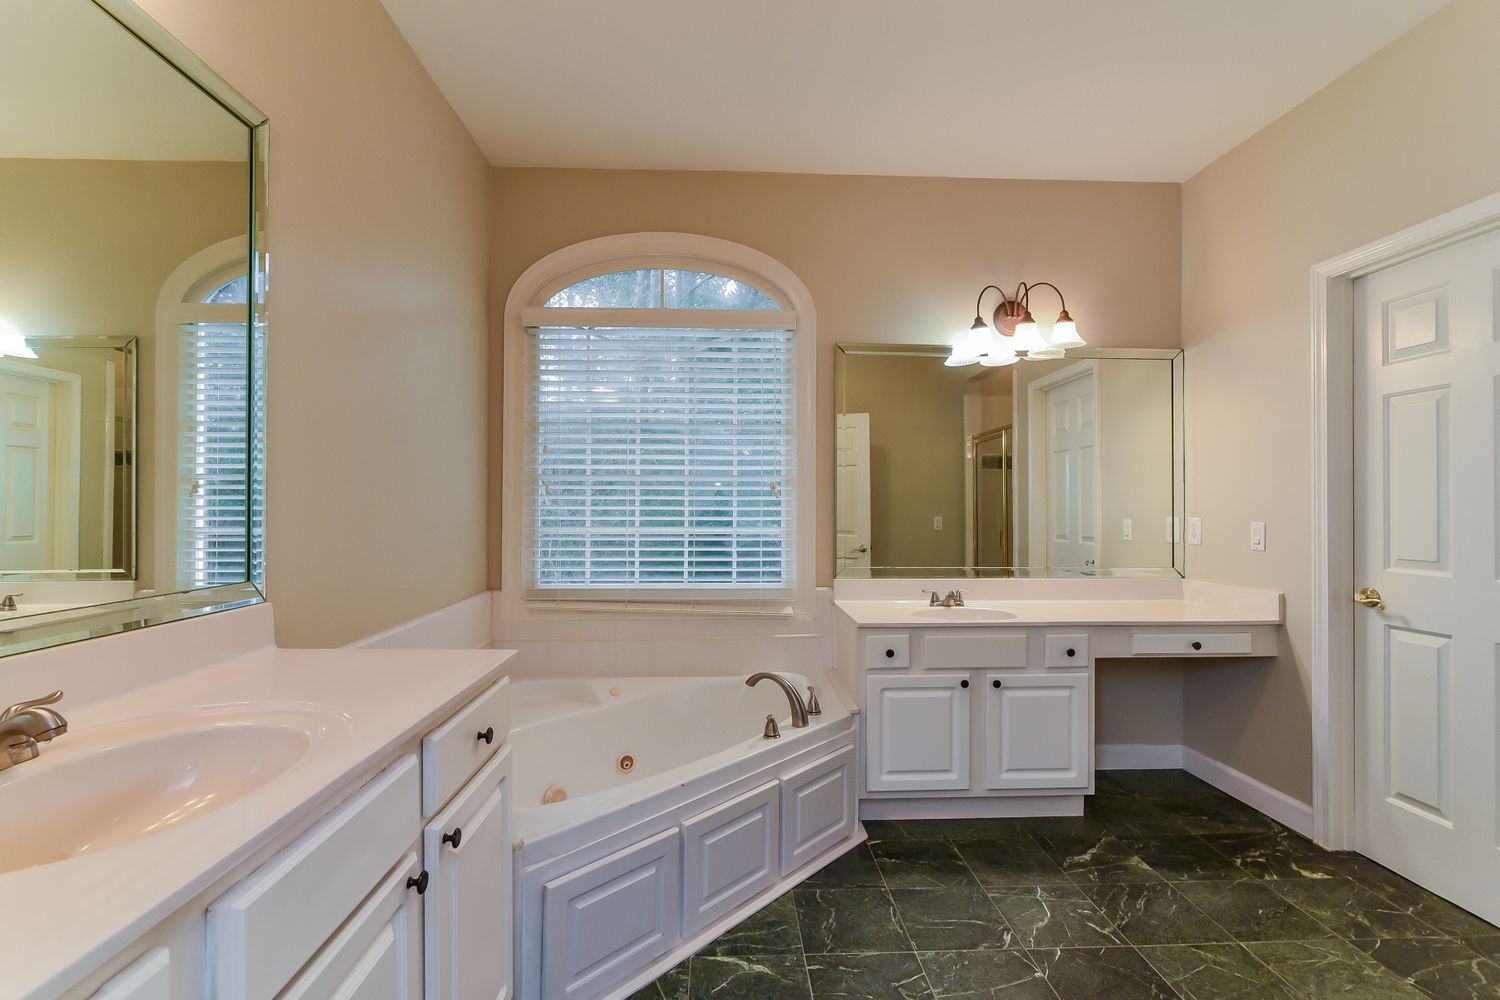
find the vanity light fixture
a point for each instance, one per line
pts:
(1015, 335)
(12, 342)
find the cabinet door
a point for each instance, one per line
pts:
(729, 854)
(468, 931)
(377, 955)
(1036, 731)
(147, 978)
(918, 738)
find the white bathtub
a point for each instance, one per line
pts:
(710, 820)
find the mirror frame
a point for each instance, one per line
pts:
(940, 352)
(32, 632)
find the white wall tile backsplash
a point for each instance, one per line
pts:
(647, 644)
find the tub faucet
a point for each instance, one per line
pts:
(8, 602)
(799, 707)
(25, 725)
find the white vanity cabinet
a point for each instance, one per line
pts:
(917, 731)
(1036, 731)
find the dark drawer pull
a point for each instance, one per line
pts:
(455, 838)
(890, 654)
(963, 684)
(1197, 645)
(1072, 653)
(994, 683)
(487, 734)
(419, 883)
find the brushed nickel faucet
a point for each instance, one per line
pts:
(25, 725)
(953, 599)
(8, 602)
(793, 696)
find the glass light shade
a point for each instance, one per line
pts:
(968, 347)
(1065, 335)
(999, 357)
(12, 343)
(1047, 354)
(1027, 338)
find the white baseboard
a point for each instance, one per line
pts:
(465, 625)
(1137, 756)
(1257, 794)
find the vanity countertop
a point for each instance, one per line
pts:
(917, 614)
(64, 919)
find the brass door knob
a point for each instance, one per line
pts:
(1370, 598)
(861, 548)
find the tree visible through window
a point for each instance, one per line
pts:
(661, 453)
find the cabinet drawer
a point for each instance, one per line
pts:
(609, 919)
(729, 854)
(267, 927)
(817, 808)
(378, 953)
(452, 752)
(888, 650)
(1066, 650)
(949, 651)
(1190, 643)
(147, 978)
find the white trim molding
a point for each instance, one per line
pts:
(1333, 500)
(1256, 794)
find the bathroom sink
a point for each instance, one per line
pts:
(95, 790)
(969, 613)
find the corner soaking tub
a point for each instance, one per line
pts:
(650, 812)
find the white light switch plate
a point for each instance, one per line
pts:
(1127, 531)
(1257, 536)
(937, 523)
(1195, 531)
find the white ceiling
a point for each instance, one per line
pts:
(76, 85)
(1075, 89)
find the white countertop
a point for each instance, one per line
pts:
(62, 920)
(917, 614)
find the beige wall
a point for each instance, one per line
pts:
(1135, 462)
(88, 245)
(887, 259)
(379, 232)
(1406, 135)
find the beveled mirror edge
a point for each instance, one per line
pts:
(1177, 356)
(145, 610)
(161, 41)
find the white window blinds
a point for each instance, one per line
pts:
(660, 462)
(221, 421)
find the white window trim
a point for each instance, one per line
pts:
(622, 252)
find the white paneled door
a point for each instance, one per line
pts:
(1427, 367)
(853, 522)
(1072, 469)
(25, 473)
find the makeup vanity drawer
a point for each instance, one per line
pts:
(1066, 649)
(888, 651)
(453, 752)
(1190, 644)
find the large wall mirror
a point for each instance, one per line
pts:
(1067, 467)
(132, 321)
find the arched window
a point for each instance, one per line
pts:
(213, 441)
(664, 437)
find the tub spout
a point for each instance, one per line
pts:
(799, 707)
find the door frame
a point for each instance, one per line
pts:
(1333, 704)
(1036, 435)
(66, 466)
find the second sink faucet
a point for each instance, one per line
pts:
(954, 599)
(25, 725)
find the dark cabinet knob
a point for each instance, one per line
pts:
(487, 734)
(994, 683)
(1197, 645)
(963, 684)
(419, 883)
(455, 838)
(1072, 653)
(890, 654)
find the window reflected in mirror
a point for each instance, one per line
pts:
(1067, 467)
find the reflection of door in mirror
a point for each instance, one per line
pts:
(26, 457)
(853, 489)
(991, 508)
(1072, 476)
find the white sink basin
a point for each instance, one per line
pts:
(98, 789)
(970, 613)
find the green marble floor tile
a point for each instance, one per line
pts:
(1439, 967)
(1011, 862)
(922, 864)
(956, 919)
(880, 976)
(1184, 857)
(1350, 910)
(984, 975)
(846, 921)
(1281, 854)
(1103, 858)
(1048, 919)
(1322, 970)
(1252, 911)
(771, 930)
(1216, 972)
(1101, 974)
(1154, 913)
(854, 869)
(671, 985)
(748, 977)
